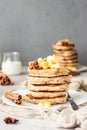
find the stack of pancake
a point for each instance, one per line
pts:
(66, 54)
(47, 84)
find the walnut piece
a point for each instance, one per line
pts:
(19, 102)
(65, 43)
(10, 120)
(5, 80)
(34, 65)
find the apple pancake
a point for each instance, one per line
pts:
(56, 47)
(51, 80)
(50, 88)
(65, 42)
(66, 57)
(68, 61)
(48, 72)
(57, 100)
(65, 53)
(47, 94)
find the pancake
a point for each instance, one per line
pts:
(72, 68)
(68, 61)
(55, 80)
(58, 100)
(56, 47)
(75, 56)
(65, 53)
(75, 64)
(65, 42)
(47, 94)
(48, 88)
(48, 72)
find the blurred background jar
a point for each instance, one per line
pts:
(11, 63)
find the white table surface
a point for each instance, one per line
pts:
(25, 124)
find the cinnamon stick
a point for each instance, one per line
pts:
(18, 102)
(14, 97)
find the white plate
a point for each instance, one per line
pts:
(78, 97)
(24, 104)
(82, 68)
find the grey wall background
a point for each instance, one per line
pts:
(31, 26)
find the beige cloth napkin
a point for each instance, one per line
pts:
(78, 85)
(20, 112)
(62, 117)
(67, 118)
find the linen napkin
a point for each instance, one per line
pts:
(20, 112)
(67, 118)
(62, 117)
(78, 85)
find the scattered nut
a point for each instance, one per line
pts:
(34, 65)
(5, 80)
(10, 120)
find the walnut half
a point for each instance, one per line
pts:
(10, 120)
(34, 65)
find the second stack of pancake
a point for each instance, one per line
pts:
(66, 54)
(47, 84)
